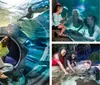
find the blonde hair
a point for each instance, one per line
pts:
(77, 11)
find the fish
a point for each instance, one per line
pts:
(11, 13)
(37, 8)
(37, 27)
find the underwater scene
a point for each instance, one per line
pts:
(76, 20)
(24, 42)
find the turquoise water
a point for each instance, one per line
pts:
(86, 7)
(38, 47)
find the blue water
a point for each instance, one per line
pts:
(38, 48)
(85, 7)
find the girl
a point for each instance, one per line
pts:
(58, 60)
(58, 21)
(70, 61)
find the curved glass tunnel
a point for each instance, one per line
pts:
(32, 37)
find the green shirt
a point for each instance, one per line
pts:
(3, 50)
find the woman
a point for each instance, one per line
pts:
(70, 61)
(92, 31)
(58, 60)
(58, 21)
(4, 48)
(4, 67)
(76, 20)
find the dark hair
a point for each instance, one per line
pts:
(61, 48)
(94, 19)
(68, 57)
(73, 52)
(7, 42)
(56, 7)
(9, 39)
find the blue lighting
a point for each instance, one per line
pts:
(81, 8)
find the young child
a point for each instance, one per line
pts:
(70, 61)
(58, 21)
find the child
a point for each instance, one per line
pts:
(70, 61)
(58, 21)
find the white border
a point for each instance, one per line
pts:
(50, 42)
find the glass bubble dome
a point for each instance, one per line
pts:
(32, 35)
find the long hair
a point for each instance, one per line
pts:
(60, 56)
(77, 11)
(95, 20)
(70, 55)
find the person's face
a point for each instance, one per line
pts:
(63, 52)
(87, 65)
(75, 14)
(60, 10)
(89, 21)
(5, 40)
(73, 56)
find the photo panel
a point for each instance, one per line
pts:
(76, 20)
(75, 64)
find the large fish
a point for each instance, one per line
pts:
(13, 11)
(37, 27)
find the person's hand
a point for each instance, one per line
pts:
(66, 73)
(73, 71)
